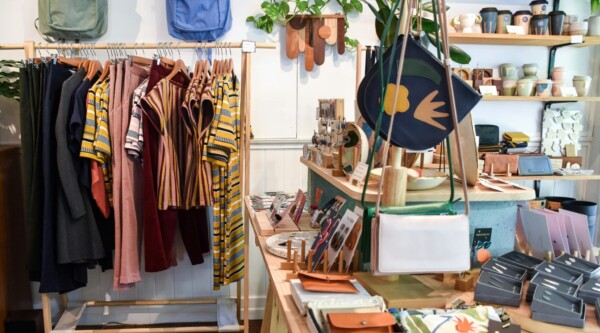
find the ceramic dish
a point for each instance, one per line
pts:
(428, 178)
(277, 244)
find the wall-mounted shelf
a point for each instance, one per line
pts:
(519, 40)
(440, 193)
(540, 99)
(517, 178)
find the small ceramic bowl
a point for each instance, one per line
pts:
(578, 28)
(543, 88)
(429, 179)
(530, 69)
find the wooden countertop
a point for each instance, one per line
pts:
(440, 193)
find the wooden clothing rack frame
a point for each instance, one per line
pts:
(247, 47)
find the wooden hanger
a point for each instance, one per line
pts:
(140, 60)
(168, 62)
(93, 69)
(73, 62)
(177, 67)
(105, 72)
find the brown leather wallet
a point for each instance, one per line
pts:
(501, 163)
(378, 322)
(327, 283)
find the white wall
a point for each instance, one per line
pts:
(284, 97)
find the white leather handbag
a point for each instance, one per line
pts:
(427, 238)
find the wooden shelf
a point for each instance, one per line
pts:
(519, 40)
(440, 193)
(540, 99)
(555, 177)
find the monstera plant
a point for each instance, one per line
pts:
(383, 10)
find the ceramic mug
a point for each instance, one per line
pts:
(594, 26)
(558, 73)
(522, 18)
(582, 84)
(504, 20)
(557, 22)
(489, 20)
(530, 70)
(539, 24)
(543, 88)
(508, 71)
(509, 87)
(556, 85)
(525, 87)
(539, 7)
(466, 22)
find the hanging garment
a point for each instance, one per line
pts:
(127, 182)
(80, 127)
(78, 239)
(55, 277)
(27, 119)
(159, 226)
(134, 142)
(221, 150)
(196, 115)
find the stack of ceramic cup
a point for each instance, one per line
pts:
(594, 26)
(509, 79)
(522, 18)
(558, 74)
(539, 20)
(489, 20)
(557, 22)
(526, 85)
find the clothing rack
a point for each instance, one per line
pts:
(247, 48)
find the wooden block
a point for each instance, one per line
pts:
(288, 266)
(464, 282)
(327, 160)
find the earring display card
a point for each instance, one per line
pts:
(521, 260)
(509, 271)
(557, 308)
(582, 231)
(497, 289)
(340, 234)
(560, 273)
(588, 269)
(559, 241)
(536, 232)
(482, 240)
(351, 242)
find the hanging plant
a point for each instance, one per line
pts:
(429, 27)
(281, 11)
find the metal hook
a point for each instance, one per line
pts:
(142, 48)
(179, 50)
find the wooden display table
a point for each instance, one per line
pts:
(281, 314)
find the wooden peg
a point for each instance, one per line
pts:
(588, 255)
(325, 261)
(309, 261)
(508, 174)
(576, 253)
(289, 250)
(492, 170)
(303, 256)
(562, 252)
(341, 262)
(295, 267)
(355, 261)
(549, 256)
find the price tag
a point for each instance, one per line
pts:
(359, 174)
(488, 90)
(319, 158)
(576, 39)
(568, 91)
(515, 29)
(248, 46)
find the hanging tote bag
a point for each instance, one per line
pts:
(427, 238)
(198, 20)
(72, 19)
